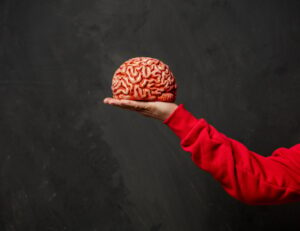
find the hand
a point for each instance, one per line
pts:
(156, 109)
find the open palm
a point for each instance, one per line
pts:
(155, 109)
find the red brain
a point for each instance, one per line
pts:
(144, 78)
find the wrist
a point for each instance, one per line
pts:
(172, 108)
(181, 121)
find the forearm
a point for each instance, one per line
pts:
(244, 174)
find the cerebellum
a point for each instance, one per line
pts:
(145, 79)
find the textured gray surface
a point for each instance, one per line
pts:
(69, 162)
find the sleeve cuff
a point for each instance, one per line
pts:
(181, 121)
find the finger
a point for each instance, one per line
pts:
(107, 100)
(133, 105)
(127, 104)
(112, 101)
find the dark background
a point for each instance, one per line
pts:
(70, 162)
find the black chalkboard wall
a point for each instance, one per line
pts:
(70, 162)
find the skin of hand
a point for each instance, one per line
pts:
(156, 109)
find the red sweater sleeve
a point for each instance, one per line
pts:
(244, 174)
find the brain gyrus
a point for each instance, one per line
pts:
(144, 78)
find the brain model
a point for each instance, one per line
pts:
(145, 79)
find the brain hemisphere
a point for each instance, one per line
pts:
(144, 78)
